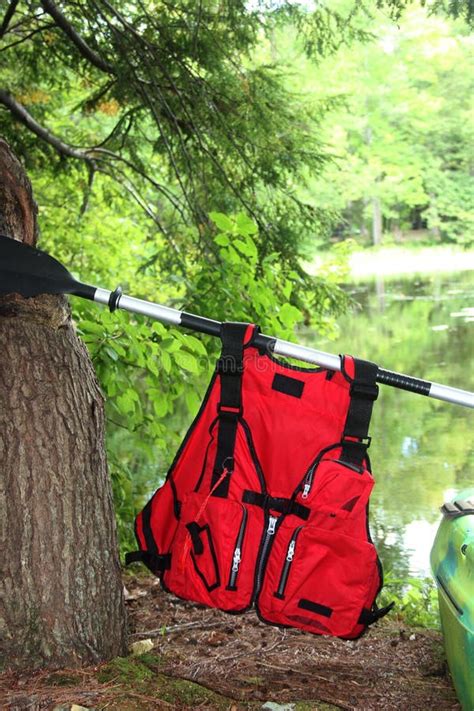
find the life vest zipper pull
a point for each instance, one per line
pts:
(271, 525)
(236, 560)
(308, 482)
(291, 551)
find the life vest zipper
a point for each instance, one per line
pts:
(280, 593)
(309, 477)
(308, 480)
(349, 465)
(237, 555)
(272, 521)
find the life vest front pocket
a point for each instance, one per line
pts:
(213, 563)
(203, 555)
(319, 581)
(337, 488)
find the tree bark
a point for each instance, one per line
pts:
(376, 221)
(61, 599)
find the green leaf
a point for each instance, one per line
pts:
(111, 353)
(233, 256)
(165, 361)
(222, 221)
(245, 224)
(186, 361)
(222, 240)
(289, 315)
(192, 401)
(160, 406)
(92, 327)
(152, 365)
(195, 345)
(158, 328)
(125, 403)
(247, 247)
(170, 344)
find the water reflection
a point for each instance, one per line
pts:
(422, 449)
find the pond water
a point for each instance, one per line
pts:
(422, 450)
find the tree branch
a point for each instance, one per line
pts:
(22, 115)
(25, 38)
(87, 191)
(86, 51)
(91, 156)
(8, 16)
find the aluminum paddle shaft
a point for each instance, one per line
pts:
(279, 347)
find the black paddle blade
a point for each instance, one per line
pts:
(28, 271)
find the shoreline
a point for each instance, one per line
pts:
(401, 261)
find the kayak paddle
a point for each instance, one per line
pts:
(28, 271)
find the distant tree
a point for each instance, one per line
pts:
(402, 137)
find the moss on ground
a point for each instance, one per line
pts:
(63, 679)
(142, 673)
(130, 670)
(190, 694)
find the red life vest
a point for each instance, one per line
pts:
(266, 502)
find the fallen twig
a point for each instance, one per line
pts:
(177, 628)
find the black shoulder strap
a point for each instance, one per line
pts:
(364, 391)
(154, 562)
(230, 367)
(368, 617)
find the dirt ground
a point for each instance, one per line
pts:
(204, 658)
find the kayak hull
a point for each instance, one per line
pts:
(452, 562)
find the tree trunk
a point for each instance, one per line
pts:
(376, 221)
(61, 597)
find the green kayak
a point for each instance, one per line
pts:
(452, 562)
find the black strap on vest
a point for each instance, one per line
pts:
(154, 562)
(368, 617)
(195, 532)
(276, 503)
(230, 367)
(364, 391)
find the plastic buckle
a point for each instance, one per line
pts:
(357, 441)
(364, 391)
(229, 365)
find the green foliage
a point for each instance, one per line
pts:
(400, 129)
(179, 113)
(416, 600)
(148, 374)
(268, 291)
(450, 211)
